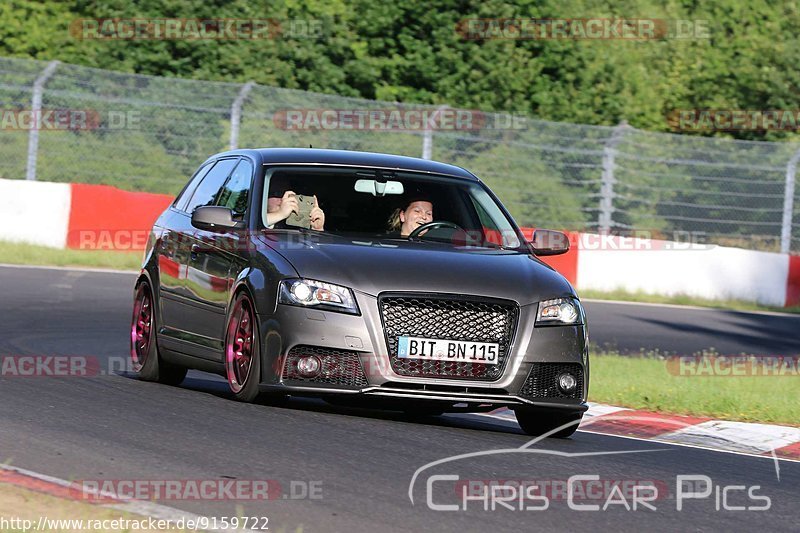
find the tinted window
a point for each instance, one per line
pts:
(466, 205)
(206, 193)
(183, 199)
(234, 194)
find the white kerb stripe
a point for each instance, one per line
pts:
(599, 409)
(736, 436)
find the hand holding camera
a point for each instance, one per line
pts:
(296, 210)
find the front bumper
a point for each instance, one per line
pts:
(450, 398)
(290, 330)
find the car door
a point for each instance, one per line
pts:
(211, 258)
(171, 256)
(179, 312)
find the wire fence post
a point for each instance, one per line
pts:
(427, 136)
(788, 204)
(236, 114)
(36, 111)
(605, 218)
(427, 144)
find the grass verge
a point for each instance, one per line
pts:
(736, 305)
(28, 254)
(648, 383)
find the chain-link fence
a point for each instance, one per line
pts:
(150, 133)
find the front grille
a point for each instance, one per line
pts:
(339, 367)
(542, 381)
(450, 317)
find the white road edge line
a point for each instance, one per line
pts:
(73, 268)
(142, 508)
(693, 307)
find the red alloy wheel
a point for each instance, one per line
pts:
(141, 326)
(239, 345)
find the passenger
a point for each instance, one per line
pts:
(418, 211)
(279, 209)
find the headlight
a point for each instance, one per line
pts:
(317, 294)
(560, 311)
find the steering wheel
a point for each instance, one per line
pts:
(431, 225)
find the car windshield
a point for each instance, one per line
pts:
(374, 203)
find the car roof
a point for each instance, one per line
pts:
(271, 156)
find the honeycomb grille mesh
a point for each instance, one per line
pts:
(542, 381)
(448, 318)
(339, 367)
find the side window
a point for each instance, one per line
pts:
(183, 199)
(206, 193)
(485, 218)
(497, 228)
(235, 193)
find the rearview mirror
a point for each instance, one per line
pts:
(214, 218)
(549, 242)
(379, 188)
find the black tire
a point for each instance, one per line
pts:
(242, 340)
(537, 422)
(145, 358)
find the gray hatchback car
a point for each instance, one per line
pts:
(380, 280)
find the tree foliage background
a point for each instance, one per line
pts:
(410, 51)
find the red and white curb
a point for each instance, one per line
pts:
(64, 489)
(764, 440)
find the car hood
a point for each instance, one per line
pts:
(373, 266)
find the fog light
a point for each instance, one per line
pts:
(308, 366)
(567, 383)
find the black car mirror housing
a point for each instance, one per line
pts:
(549, 242)
(214, 218)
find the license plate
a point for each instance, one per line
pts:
(447, 350)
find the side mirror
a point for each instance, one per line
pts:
(549, 242)
(214, 218)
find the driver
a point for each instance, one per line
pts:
(418, 211)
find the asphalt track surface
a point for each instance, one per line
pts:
(114, 427)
